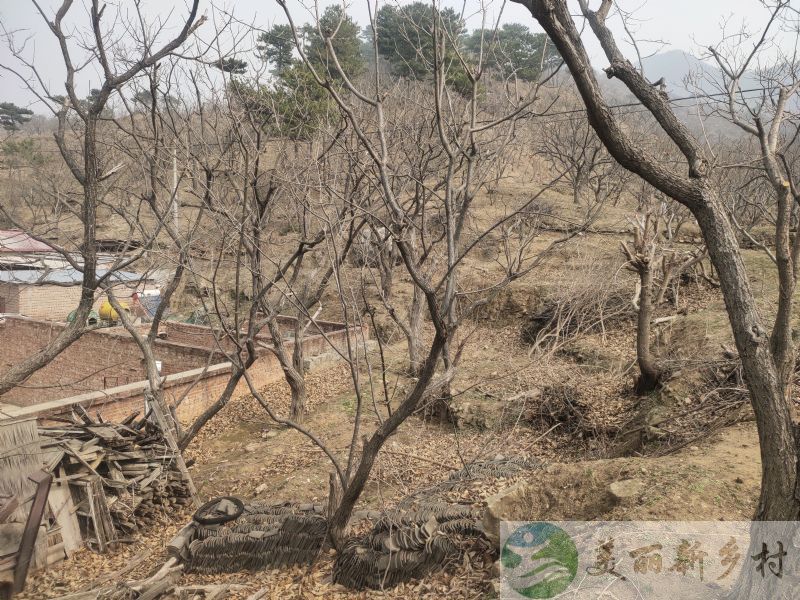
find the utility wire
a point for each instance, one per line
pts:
(670, 100)
(578, 111)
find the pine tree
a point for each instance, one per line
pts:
(276, 47)
(344, 34)
(405, 36)
(514, 51)
(12, 116)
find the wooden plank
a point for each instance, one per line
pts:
(82, 414)
(152, 477)
(105, 432)
(102, 512)
(61, 505)
(130, 418)
(32, 526)
(87, 445)
(95, 519)
(161, 420)
(55, 461)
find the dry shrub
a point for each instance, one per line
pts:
(589, 408)
(588, 300)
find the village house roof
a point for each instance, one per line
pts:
(61, 276)
(15, 240)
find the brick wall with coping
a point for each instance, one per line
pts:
(207, 337)
(194, 389)
(99, 359)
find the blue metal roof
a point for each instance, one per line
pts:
(59, 276)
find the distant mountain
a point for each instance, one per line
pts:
(685, 75)
(682, 71)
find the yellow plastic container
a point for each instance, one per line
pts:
(107, 312)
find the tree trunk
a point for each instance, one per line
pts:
(296, 377)
(437, 403)
(576, 190)
(649, 373)
(669, 271)
(415, 357)
(337, 527)
(387, 258)
(779, 460)
(298, 409)
(781, 342)
(293, 367)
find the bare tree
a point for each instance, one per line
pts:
(78, 139)
(278, 203)
(466, 148)
(766, 359)
(653, 255)
(571, 146)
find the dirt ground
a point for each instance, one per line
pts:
(718, 479)
(691, 465)
(241, 453)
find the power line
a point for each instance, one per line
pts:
(670, 100)
(612, 106)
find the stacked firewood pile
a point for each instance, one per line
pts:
(407, 546)
(121, 475)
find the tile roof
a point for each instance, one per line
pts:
(59, 276)
(15, 240)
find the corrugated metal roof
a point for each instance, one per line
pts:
(59, 276)
(16, 240)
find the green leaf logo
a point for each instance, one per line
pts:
(539, 560)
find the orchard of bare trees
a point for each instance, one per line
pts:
(381, 279)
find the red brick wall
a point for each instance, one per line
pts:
(196, 387)
(100, 359)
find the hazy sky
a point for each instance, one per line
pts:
(681, 23)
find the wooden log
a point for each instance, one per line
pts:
(178, 546)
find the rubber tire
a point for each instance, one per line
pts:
(199, 518)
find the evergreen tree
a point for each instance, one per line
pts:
(514, 50)
(405, 36)
(12, 116)
(344, 33)
(276, 48)
(234, 66)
